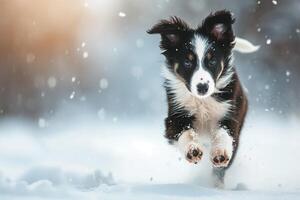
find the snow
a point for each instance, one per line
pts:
(274, 2)
(268, 41)
(258, 29)
(85, 54)
(113, 158)
(122, 14)
(51, 82)
(103, 83)
(73, 79)
(101, 114)
(42, 123)
(267, 87)
(72, 95)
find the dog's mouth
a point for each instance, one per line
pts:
(202, 96)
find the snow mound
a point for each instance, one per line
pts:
(133, 161)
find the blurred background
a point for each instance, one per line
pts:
(95, 55)
(81, 89)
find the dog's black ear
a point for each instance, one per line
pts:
(218, 26)
(171, 31)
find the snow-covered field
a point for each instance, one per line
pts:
(85, 159)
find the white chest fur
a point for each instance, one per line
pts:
(208, 111)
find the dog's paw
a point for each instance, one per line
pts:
(220, 157)
(194, 153)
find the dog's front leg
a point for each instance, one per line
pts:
(222, 148)
(188, 144)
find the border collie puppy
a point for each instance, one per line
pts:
(204, 93)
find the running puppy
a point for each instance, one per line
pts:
(203, 90)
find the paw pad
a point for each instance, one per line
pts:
(194, 154)
(220, 158)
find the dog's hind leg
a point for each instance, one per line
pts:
(218, 176)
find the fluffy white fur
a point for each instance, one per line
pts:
(222, 144)
(200, 45)
(201, 75)
(188, 141)
(208, 111)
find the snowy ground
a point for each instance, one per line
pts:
(121, 160)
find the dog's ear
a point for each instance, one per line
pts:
(171, 32)
(218, 26)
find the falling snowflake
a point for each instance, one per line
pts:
(103, 83)
(258, 29)
(267, 87)
(73, 79)
(274, 2)
(72, 95)
(42, 123)
(115, 50)
(101, 114)
(268, 41)
(122, 14)
(115, 119)
(297, 30)
(51, 82)
(85, 54)
(83, 44)
(287, 73)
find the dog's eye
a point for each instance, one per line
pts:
(188, 63)
(212, 62)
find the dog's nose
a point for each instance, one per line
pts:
(202, 88)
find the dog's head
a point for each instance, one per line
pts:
(198, 57)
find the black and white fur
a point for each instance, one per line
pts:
(205, 96)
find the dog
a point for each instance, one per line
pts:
(204, 93)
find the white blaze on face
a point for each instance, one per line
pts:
(201, 76)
